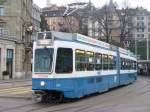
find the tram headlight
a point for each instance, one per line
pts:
(42, 83)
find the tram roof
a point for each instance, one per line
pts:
(87, 40)
(81, 38)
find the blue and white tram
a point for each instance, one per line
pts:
(73, 65)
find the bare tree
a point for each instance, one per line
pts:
(125, 24)
(123, 21)
(104, 18)
(83, 15)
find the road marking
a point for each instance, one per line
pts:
(13, 88)
(16, 90)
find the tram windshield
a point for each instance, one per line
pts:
(43, 60)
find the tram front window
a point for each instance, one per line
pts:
(43, 60)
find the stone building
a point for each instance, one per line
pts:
(15, 38)
(97, 25)
(141, 33)
(137, 27)
(36, 20)
(56, 21)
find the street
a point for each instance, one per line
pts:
(131, 98)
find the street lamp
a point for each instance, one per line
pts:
(147, 45)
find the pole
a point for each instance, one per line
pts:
(135, 46)
(147, 48)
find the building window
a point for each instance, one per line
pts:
(140, 24)
(90, 24)
(96, 34)
(140, 18)
(10, 54)
(140, 35)
(64, 61)
(9, 62)
(140, 29)
(3, 30)
(90, 32)
(1, 10)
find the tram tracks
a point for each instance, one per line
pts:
(88, 103)
(80, 106)
(29, 105)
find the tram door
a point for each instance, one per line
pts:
(9, 62)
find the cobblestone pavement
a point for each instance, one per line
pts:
(131, 98)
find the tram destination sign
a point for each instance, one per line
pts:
(45, 42)
(44, 38)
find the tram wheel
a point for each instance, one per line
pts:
(56, 98)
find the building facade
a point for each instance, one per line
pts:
(36, 20)
(105, 18)
(56, 21)
(137, 27)
(141, 33)
(15, 38)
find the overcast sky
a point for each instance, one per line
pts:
(98, 3)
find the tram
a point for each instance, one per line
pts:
(71, 65)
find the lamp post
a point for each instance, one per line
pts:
(135, 45)
(147, 48)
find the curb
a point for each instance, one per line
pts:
(17, 97)
(3, 81)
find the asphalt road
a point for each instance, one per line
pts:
(131, 98)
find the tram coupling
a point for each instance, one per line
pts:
(38, 96)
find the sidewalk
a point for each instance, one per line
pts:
(15, 83)
(16, 88)
(14, 80)
(16, 92)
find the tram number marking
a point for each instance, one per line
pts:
(58, 85)
(99, 72)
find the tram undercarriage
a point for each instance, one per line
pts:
(49, 96)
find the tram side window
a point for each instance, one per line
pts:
(89, 61)
(123, 64)
(114, 62)
(105, 61)
(111, 62)
(80, 60)
(64, 61)
(135, 65)
(126, 64)
(98, 61)
(132, 65)
(129, 65)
